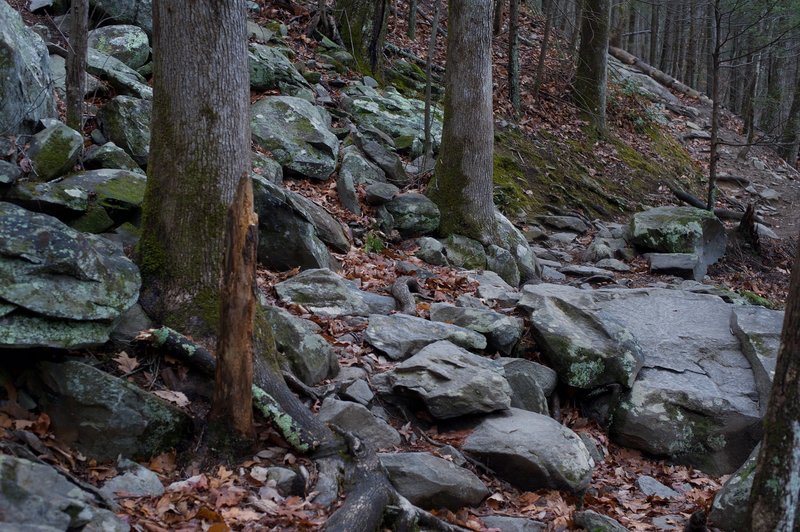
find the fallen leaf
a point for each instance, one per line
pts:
(125, 363)
(177, 398)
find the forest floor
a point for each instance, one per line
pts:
(235, 496)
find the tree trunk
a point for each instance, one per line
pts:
(200, 148)
(232, 405)
(498, 15)
(412, 20)
(666, 39)
(654, 23)
(548, 25)
(513, 56)
(76, 63)
(462, 185)
(790, 137)
(362, 25)
(715, 111)
(427, 148)
(775, 495)
(591, 78)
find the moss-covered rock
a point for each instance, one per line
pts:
(125, 121)
(269, 68)
(413, 214)
(124, 42)
(110, 156)
(124, 79)
(54, 151)
(464, 252)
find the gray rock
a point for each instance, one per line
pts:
(551, 274)
(124, 42)
(135, 481)
(613, 264)
(386, 160)
(569, 223)
(531, 451)
(36, 497)
(329, 229)
(431, 251)
(451, 381)
(769, 194)
(591, 520)
(526, 392)
(24, 75)
(452, 453)
(132, 322)
(598, 250)
(355, 418)
(464, 252)
(629, 75)
(512, 239)
(298, 135)
(58, 72)
(413, 214)
(136, 12)
(430, 482)
(545, 377)
(287, 238)
(346, 191)
(270, 68)
(103, 416)
(66, 288)
(685, 265)
(391, 113)
(110, 156)
(9, 173)
(680, 230)
(759, 332)
(361, 171)
(380, 193)
(593, 446)
(286, 480)
(54, 151)
(258, 33)
(730, 509)
(586, 349)
(513, 524)
(267, 168)
(399, 336)
(125, 121)
(502, 262)
(308, 355)
(358, 391)
(124, 79)
(650, 486)
(587, 271)
(563, 237)
(493, 288)
(323, 292)
(502, 332)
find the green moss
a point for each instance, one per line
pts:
(53, 158)
(755, 299)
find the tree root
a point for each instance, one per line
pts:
(694, 201)
(401, 290)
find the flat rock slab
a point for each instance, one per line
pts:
(686, 265)
(502, 332)
(430, 482)
(570, 223)
(531, 451)
(759, 331)
(399, 336)
(695, 399)
(451, 381)
(323, 292)
(355, 418)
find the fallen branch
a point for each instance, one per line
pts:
(394, 49)
(694, 201)
(401, 290)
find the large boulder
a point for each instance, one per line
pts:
(529, 384)
(124, 79)
(413, 214)
(391, 113)
(358, 169)
(730, 509)
(531, 451)
(109, 156)
(502, 332)
(270, 68)
(58, 287)
(25, 83)
(464, 252)
(680, 230)
(90, 202)
(125, 121)
(324, 293)
(54, 151)
(136, 12)
(585, 349)
(123, 42)
(308, 355)
(695, 399)
(103, 416)
(451, 381)
(431, 482)
(514, 241)
(298, 135)
(399, 336)
(35, 496)
(759, 331)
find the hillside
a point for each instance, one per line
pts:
(452, 391)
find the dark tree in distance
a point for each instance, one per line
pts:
(591, 77)
(76, 63)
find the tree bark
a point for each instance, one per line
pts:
(513, 56)
(232, 404)
(427, 148)
(775, 495)
(362, 25)
(591, 79)
(462, 184)
(412, 20)
(548, 25)
(200, 148)
(76, 63)
(790, 137)
(715, 112)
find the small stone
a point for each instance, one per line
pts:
(650, 486)
(359, 391)
(431, 251)
(563, 238)
(613, 264)
(380, 193)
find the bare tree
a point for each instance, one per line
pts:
(362, 25)
(513, 56)
(76, 63)
(591, 79)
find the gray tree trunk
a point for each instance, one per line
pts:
(76, 63)
(362, 25)
(775, 495)
(513, 56)
(200, 148)
(462, 184)
(790, 138)
(591, 78)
